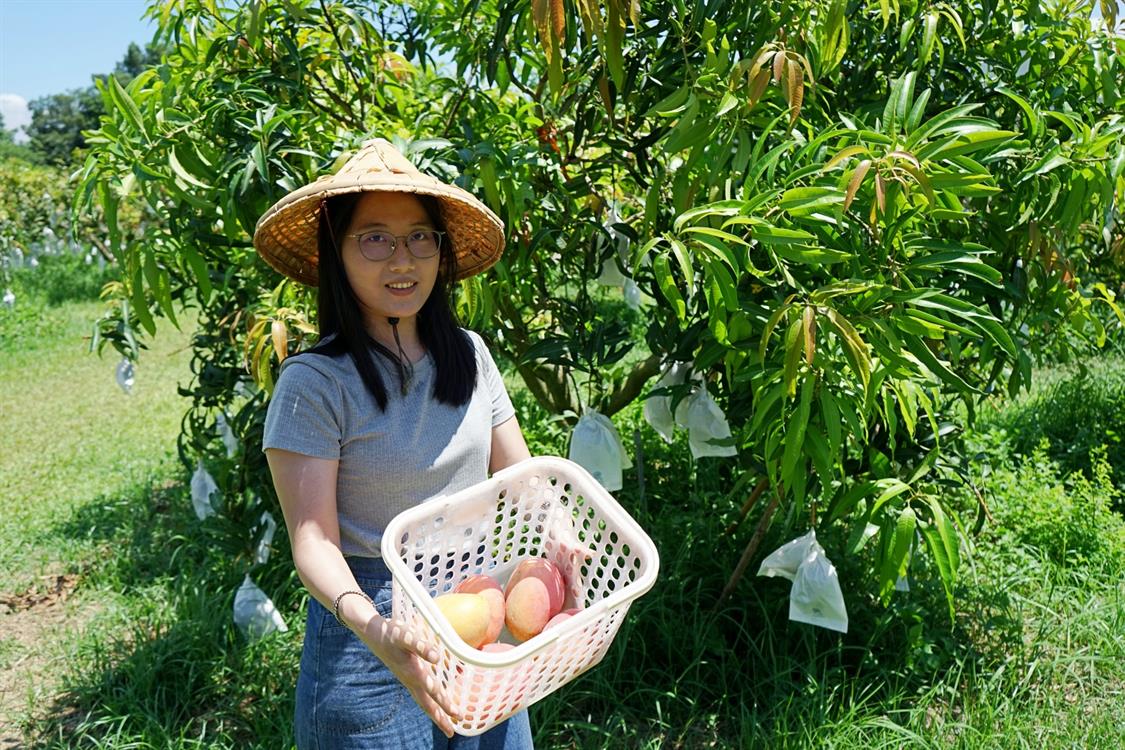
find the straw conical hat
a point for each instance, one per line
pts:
(286, 235)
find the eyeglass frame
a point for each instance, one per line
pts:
(394, 238)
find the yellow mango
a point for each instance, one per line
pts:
(469, 614)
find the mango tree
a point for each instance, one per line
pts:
(855, 221)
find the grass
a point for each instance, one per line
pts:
(1034, 657)
(71, 436)
(1075, 409)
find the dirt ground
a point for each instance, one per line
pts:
(34, 625)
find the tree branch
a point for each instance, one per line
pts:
(751, 549)
(344, 58)
(747, 506)
(641, 373)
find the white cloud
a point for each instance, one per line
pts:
(16, 115)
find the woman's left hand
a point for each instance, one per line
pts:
(411, 659)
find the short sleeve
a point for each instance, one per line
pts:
(502, 409)
(303, 413)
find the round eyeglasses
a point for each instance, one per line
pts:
(378, 245)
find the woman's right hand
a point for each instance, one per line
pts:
(409, 657)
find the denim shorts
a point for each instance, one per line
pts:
(348, 700)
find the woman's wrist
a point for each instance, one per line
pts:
(355, 610)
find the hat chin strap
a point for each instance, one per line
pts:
(405, 366)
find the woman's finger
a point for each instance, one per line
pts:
(440, 715)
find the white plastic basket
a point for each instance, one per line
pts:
(541, 507)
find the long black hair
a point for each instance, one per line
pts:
(338, 313)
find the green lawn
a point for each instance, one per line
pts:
(72, 440)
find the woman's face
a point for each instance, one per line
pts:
(399, 285)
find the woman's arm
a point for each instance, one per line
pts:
(306, 487)
(508, 446)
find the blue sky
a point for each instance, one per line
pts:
(50, 46)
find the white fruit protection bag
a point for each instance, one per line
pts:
(697, 413)
(658, 409)
(816, 598)
(203, 487)
(254, 612)
(597, 448)
(705, 422)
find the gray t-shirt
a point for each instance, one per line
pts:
(390, 460)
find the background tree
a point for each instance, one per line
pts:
(57, 123)
(855, 221)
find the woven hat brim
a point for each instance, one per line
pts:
(286, 234)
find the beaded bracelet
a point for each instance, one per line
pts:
(336, 604)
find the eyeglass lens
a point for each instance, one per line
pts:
(380, 245)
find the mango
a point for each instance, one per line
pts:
(563, 616)
(469, 614)
(527, 608)
(489, 588)
(546, 572)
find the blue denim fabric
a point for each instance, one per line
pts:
(348, 700)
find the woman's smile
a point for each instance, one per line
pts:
(402, 288)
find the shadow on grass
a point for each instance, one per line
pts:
(169, 668)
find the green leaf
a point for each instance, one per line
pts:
(794, 351)
(125, 104)
(771, 235)
(683, 255)
(140, 303)
(199, 270)
(795, 431)
(891, 488)
(854, 347)
(723, 282)
(929, 35)
(717, 234)
(830, 414)
(844, 153)
(1034, 121)
(817, 449)
(729, 102)
(671, 105)
(936, 125)
(667, 285)
(917, 111)
(766, 402)
(896, 561)
(942, 540)
(182, 173)
(811, 255)
(642, 252)
(807, 199)
(976, 140)
(774, 319)
(918, 348)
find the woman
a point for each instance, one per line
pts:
(396, 404)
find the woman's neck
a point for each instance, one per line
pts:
(381, 330)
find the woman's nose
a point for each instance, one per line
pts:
(401, 258)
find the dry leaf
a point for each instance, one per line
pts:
(796, 91)
(810, 334)
(558, 19)
(280, 339)
(857, 180)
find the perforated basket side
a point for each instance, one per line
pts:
(545, 507)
